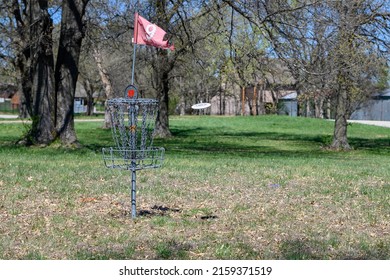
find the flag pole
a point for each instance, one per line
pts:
(133, 67)
(134, 46)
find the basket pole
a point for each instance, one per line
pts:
(133, 164)
(133, 194)
(134, 151)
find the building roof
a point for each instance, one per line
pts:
(81, 92)
(291, 95)
(384, 94)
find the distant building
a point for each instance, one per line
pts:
(81, 99)
(8, 90)
(256, 101)
(377, 108)
(229, 105)
(288, 105)
(15, 101)
(9, 98)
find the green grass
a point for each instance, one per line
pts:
(230, 188)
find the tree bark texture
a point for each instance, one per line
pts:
(262, 110)
(23, 57)
(107, 84)
(89, 89)
(318, 106)
(344, 57)
(41, 74)
(22, 64)
(182, 105)
(161, 72)
(340, 140)
(162, 120)
(66, 72)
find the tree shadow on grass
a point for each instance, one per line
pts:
(296, 249)
(200, 141)
(246, 144)
(203, 141)
(372, 145)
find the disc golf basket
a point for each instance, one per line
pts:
(132, 125)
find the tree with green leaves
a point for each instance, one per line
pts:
(356, 44)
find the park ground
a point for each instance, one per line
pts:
(4, 118)
(261, 187)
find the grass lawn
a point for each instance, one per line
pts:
(230, 188)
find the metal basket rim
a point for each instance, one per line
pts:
(132, 101)
(116, 149)
(153, 158)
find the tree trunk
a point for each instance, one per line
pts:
(261, 100)
(308, 109)
(23, 57)
(221, 100)
(41, 75)
(22, 62)
(254, 101)
(318, 106)
(107, 84)
(340, 141)
(182, 105)
(71, 36)
(161, 72)
(328, 115)
(162, 121)
(89, 91)
(207, 111)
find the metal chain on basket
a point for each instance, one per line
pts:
(132, 127)
(132, 130)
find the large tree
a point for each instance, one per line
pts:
(33, 48)
(48, 88)
(355, 45)
(66, 71)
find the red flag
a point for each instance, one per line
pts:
(146, 33)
